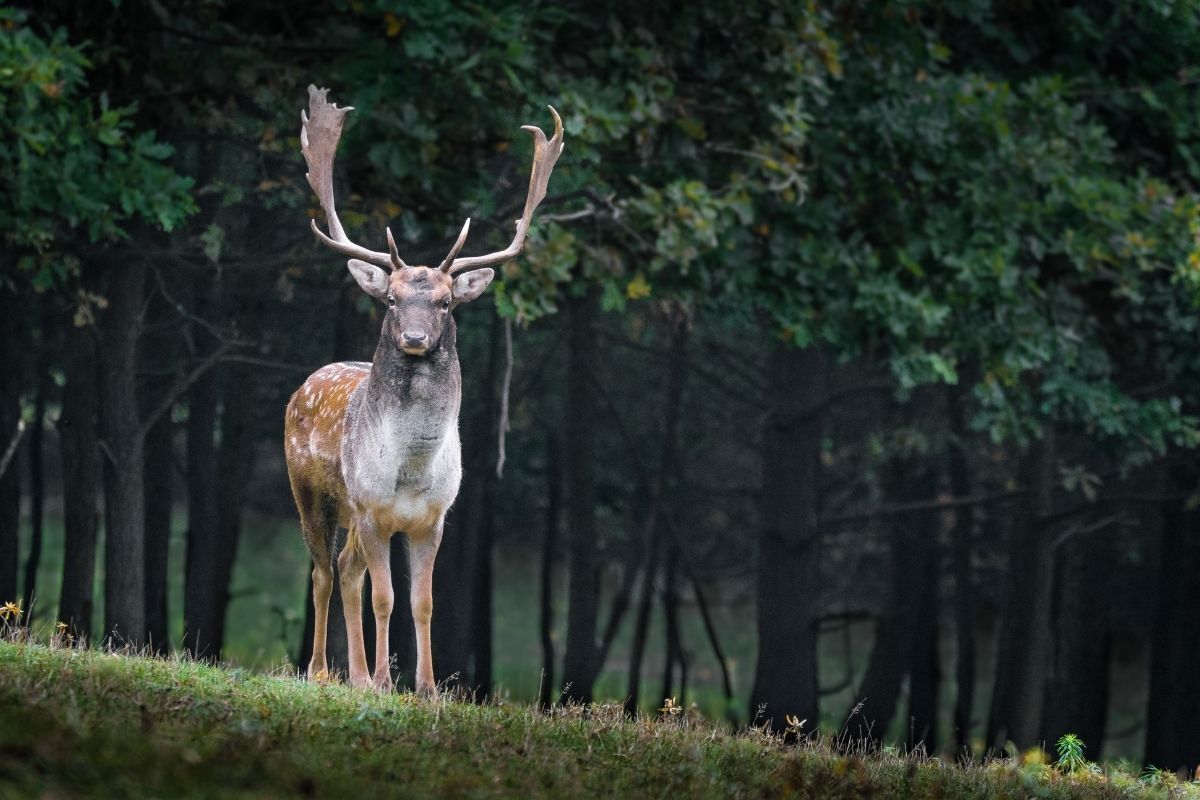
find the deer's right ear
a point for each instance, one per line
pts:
(471, 284)
(369, 277)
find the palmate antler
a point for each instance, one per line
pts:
(320, 131)
(545, 154)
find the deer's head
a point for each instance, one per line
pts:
(420, 299)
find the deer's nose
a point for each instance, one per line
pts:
(414, 338)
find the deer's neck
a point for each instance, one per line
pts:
(402, 435)
(412, 385)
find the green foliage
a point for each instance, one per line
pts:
(864, 182)
(73, 162)
(956, 220)
(933, 185)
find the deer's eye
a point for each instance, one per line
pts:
(446, 304)
(391, 302)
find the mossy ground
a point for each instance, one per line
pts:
(85, 723)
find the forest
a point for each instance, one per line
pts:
(849, 378)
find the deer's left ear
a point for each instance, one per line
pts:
(370, 278)
(471, 284)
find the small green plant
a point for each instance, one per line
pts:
(1070, 754)
(1153, 776)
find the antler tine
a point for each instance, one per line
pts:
(448, 262)
(545, 154)
(320, 131)
(397, 261)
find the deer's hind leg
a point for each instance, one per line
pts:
(318, 524)
(351, 568)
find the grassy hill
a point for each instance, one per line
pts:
(79, 723)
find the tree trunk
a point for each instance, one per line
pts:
(1023, 656)
(81, 481)
(1076, 697)
(710, 632)
(924, 666)
(674, 646)
(203, 521)
(453, 586)
(235, 462)
(37, 487)
(641, 627)
(120, 428)
(549, 544)
(485, 519)
(654, 531)
(11, 349)
(1173, 716)
(160, 355)
(789, 590)
(964, 631)
(879, 692)
(159, 465)
(961, 536)
(904, 639)
(583, 588)
(481, 616)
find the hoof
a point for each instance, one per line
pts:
(427, 691)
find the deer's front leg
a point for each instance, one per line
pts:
(421, 554)
(351, 566)
(375, 547)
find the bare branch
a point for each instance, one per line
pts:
(742, 396)
(12, 446)
(258, 44)
(923, 505)
(213, 329)
(235, 358)
(179, 387)
(1082, 528)
(587, 211)
(504, 390)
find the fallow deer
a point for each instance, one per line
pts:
(373, 447)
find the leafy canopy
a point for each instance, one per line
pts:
(74, 163)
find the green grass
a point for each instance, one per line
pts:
(81, 723)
